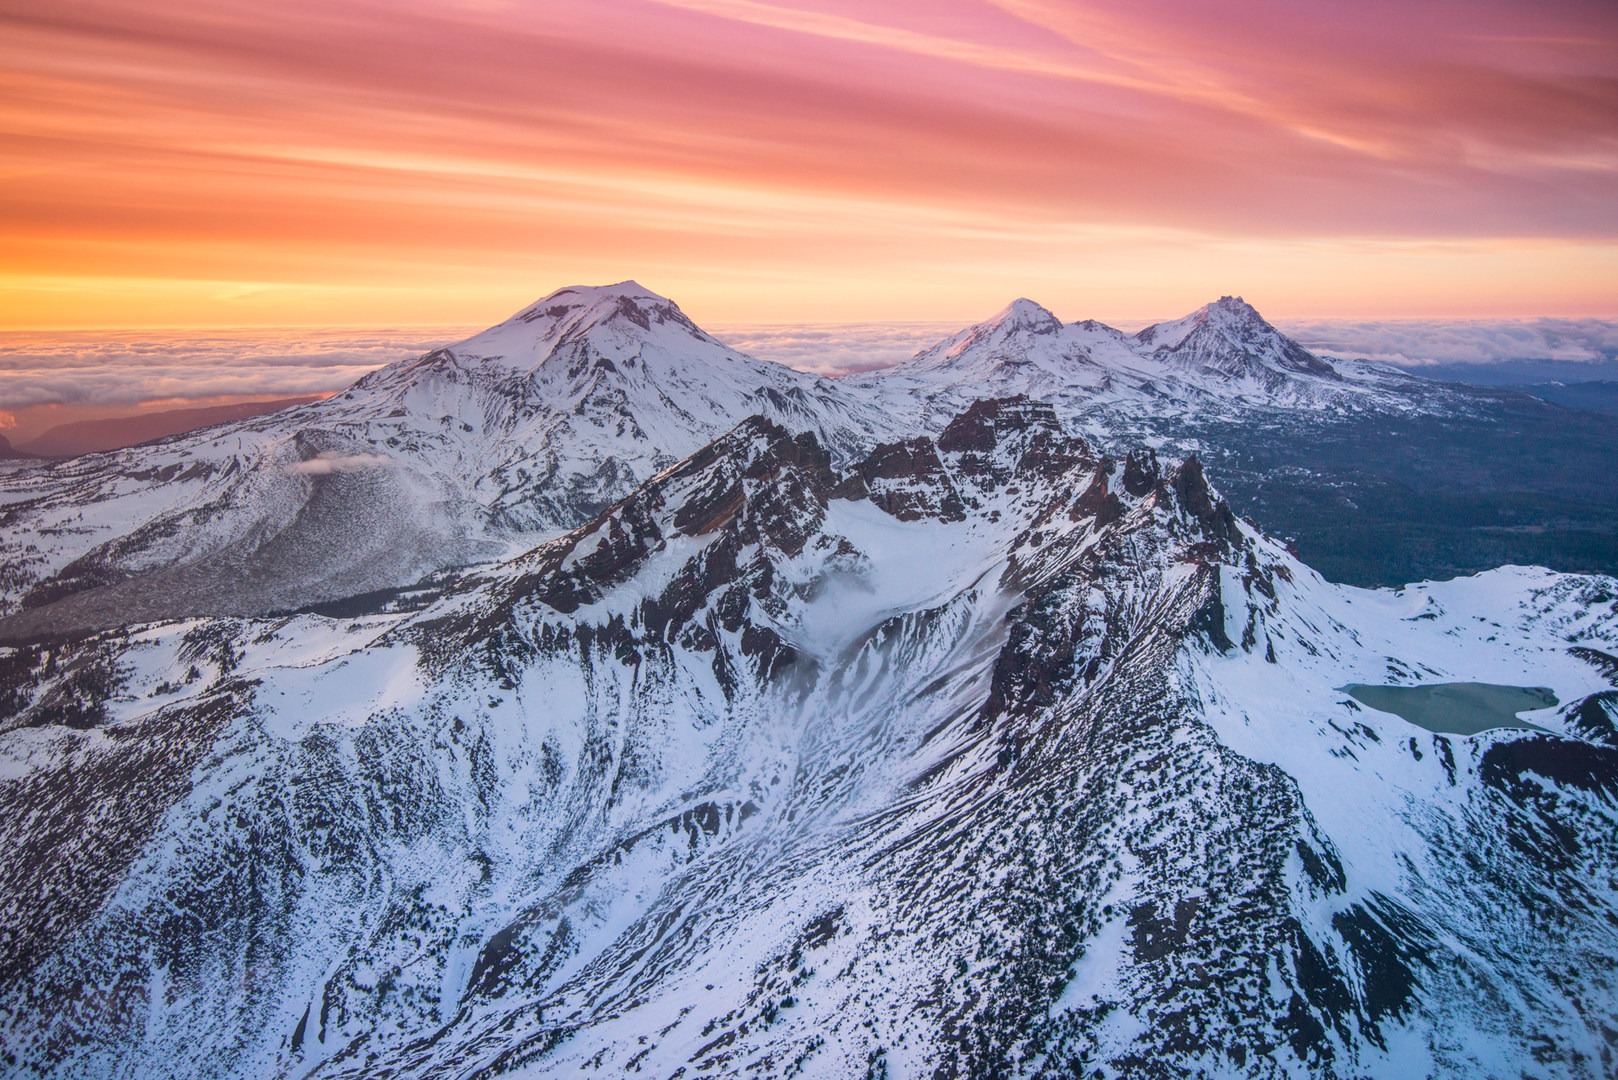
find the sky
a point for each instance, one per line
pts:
(186, 163)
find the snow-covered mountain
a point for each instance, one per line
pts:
(459, 456)
(983, 754)
(1380, 477)
(535, 425)
(1221, 361)
(1231, 340)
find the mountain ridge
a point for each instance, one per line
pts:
(1223, 356)
(988, 753)
(543, 420)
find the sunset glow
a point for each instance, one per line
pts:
(184, 163)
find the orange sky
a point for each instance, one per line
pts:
(346, 162)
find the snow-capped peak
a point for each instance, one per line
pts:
(1232, 306)
(1228, 313)
(1024, 314)
(1222, 356)
(1230, 338)
(625, 314)
(1004, 337)
(582, 307)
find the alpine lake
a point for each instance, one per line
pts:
(1457, 708)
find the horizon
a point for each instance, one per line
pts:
(1118, 321)
(57, 377)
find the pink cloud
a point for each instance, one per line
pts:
(227, 140)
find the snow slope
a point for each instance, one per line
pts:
(980, 754)
(1221, 361)
(464, 454)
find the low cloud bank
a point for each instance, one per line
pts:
(1430, 342)
(112, 368)
(130, 367)
(835, 348)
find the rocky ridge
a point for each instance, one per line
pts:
(980, 754)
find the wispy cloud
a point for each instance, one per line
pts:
(326, 464)
(796, 159)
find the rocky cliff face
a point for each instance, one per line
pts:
(983, 753)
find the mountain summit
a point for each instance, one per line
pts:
(626, 315)
(1025, 315)
(1230, 339)
(1222, 357)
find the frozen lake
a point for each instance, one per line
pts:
(1457, 708)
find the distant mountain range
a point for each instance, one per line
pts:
(527, 429)
(539, 423)
(860, 740)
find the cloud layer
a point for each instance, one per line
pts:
(175, 367)
(326, 464)
(835, 348)
(130, 369)
(1428, 342)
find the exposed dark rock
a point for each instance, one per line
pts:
(908, 481)
(1596, 717)
(1209, 622)
(1097, 501)
(1520, 767)
(1141, 472)
(1390, 946)
(1214, 517)
(1605, 662)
